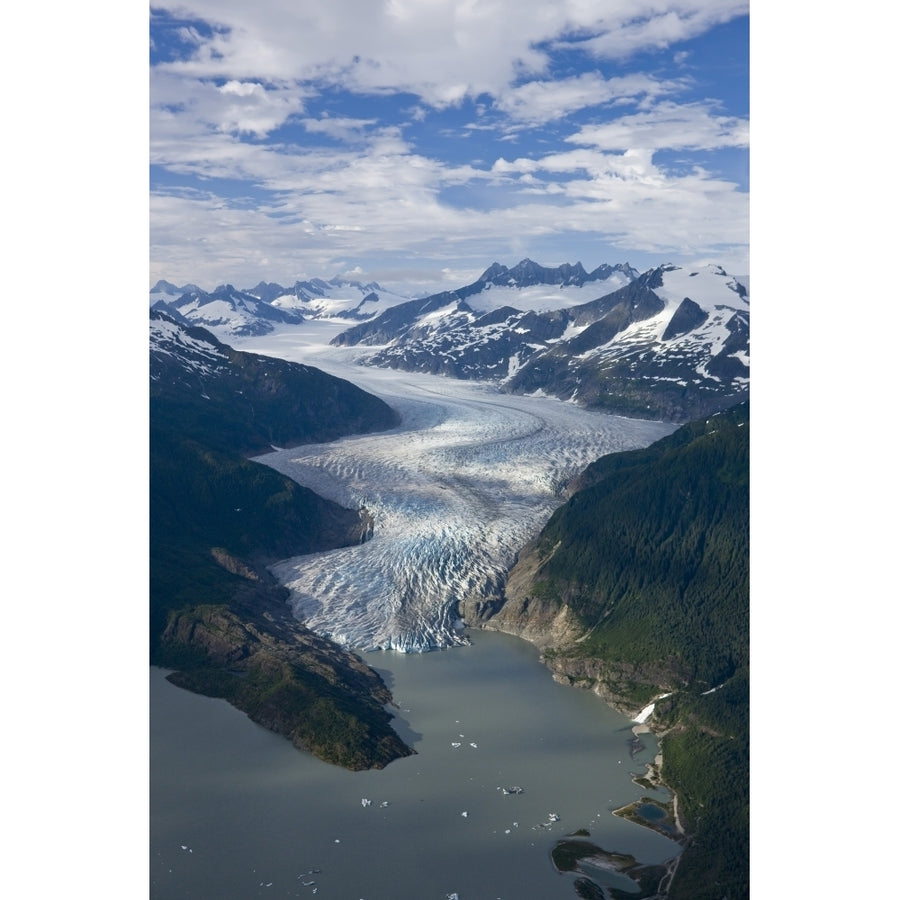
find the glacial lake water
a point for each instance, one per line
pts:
(237, 812)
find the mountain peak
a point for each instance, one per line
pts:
(164, 287)
(493, 271)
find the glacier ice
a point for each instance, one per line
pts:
(467, 479)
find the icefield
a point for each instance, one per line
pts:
(468, 478)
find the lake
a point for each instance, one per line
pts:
(237, 812)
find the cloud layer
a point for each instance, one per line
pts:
(289, 141)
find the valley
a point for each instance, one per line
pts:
(542, 503)
(467, 479)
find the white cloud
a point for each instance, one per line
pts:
(374, 195)
(373, 205)
(338, 127)
(668, 126)
(657, 25)
(544, 101)
(195, 104)
(439, 50)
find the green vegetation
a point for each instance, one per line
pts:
(217, 519)
(706, 760)
(202, 499)
(292, 683)
(665, 825)
(250, 402)
(652, 555)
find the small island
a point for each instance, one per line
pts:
(577, 855)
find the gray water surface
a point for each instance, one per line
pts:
(237, 812)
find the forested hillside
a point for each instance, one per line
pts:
(216, 519)
(648, 566)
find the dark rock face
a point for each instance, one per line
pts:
(687, 317)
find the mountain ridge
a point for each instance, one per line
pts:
(217, 519)
(670, 344)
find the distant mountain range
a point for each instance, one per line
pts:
(671, 343)
(257, 310)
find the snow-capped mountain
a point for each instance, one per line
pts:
(180, 355)
(248, 402)
(228, 311)
(675, 344)
(671, 343)
(257, 310)
(528, 286)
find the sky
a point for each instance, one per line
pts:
(415, 142)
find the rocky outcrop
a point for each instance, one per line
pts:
(253, 653)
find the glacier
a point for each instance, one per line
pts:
(466, 480)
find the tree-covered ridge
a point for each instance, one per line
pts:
(216, 519)
(650, 560)
(651, 553)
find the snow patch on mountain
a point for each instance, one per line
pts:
(542, 297)
(707, 286)
(191, 353)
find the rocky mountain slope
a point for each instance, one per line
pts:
(670, 344)
(526, 288)
(674, 344)
(217, 519)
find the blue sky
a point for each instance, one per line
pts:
(417, 141)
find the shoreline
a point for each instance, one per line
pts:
(639, 726)
(652, 778)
